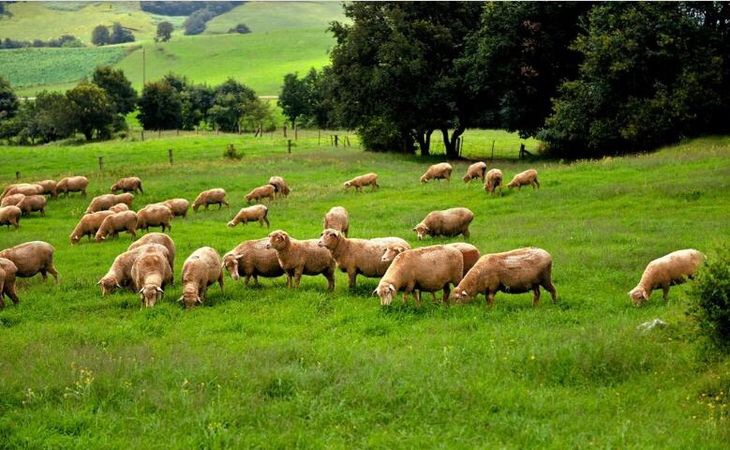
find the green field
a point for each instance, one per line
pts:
(273, 16)
(273, 367)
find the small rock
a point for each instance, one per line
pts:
(650, 325)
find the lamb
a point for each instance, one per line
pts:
(119, 207)
(25, 189)
(73, 184)
(369, 179)
(299, 258)
(106, 201)
(128, 184)
(150, 273)
(494, 181)
(32, 258)
(669, 270)
(157, 238)
(154, 215)
(31, 203)
(178, 206)
(12, 199)
(282, 188)
(200, 270)
(358, 256)
(528, 177)
(475, 171)
(260, 193)
(513, 272)
(88, 225)
(338, 219)
(469, 253)
(7, 281)
(449, 222)
(113, 224)
(427, 269)
(210, 197)
(49, 187)
(440, 171)
(253, 259)
(119, 275)
(255, 213)
(10, 215)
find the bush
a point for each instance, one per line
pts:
(379, 135)
(241, 28)
(712, 293)
(232, 153)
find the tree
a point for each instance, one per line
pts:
(8, 100)
(100, 35)
(195, 23)
(50, 119)
(227, 108)
(160, 107)
(164, 31)
(120, 35)
(90, 109)
(117, 86)
(295, 98)
(257, 113)
(241, 28)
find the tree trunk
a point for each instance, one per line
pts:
(88, 134)
(450, 144)
(424, 141)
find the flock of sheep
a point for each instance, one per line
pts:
(147, 265)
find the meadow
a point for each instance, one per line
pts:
(272, 367)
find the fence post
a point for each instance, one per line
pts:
(288, 146)
(296, 132)
(169, 155)
(142, 134)
(319, 137)
(17, 175)
(491, 160)
(101, 163)
(284, 130)
(337, 140)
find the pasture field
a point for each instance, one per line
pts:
(271, 16)
(272, 367)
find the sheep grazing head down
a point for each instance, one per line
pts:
(638, 295)
(329, 239)
(278, 240)
(230, 262)
(391, 252)
(108, 285)
(347, 184)
(460, 296)
(150, 295)
(386, 292)
(421, 230)
(190, 299)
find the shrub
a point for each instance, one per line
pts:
(379, 135)
(241, 28)
(232, 153)
(712, 294)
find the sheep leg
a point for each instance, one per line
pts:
(548, 285)
(44, 274)
(256, 280)
(447, 291)
(353, 279)
(330, 275)
(246, 280)
(298, 276)
(220, 281)
(665, 292)
(417, 295)
(10, 290)
(536, 296)
(289, 278)
(2, 303)
(490, 298)
(465, 233)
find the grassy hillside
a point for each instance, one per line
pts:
(271, 16)
(272, 367)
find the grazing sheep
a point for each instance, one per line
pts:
(282, 188)
(255, 213)
(6, 189)
(119, 207)
(10, 215)
(513, 272)
(494, 181)
(299, 258)
(128, 184)
(154, 215)
(72, 184)
(156, 238)
(178, 206)
(49, 187)
(449, 222)
(25, 189)
(31, 258)
(469, 253)
(7, 281)
(425, 269)
(113, 224)
(201, 269)
(119, 275)
(528, 177)
(358, 256)
(260, 193)
(669, 270)
(440, 171)
(253, 259)
(150, 273)
(106, 201)
(88, 225)
(32, 203)
(338, 219)
(210, 197)
(475, 171)
(369, 179)
(12, 199)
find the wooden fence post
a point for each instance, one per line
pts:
(142, 134)
(17, 175)
(319, 137)
(288, 146)
(337, 140)
(101, 163)
(284, 130)
(296, 132)
(169, 155)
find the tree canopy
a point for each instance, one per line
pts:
(91, 109)
(117, 86)
(160, 107)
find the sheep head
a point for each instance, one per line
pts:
(385, 291)
(638, 295)
(278, 240)
(150, 294)
(329, 239)
(421, 230)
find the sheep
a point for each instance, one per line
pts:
(128, 184)
(6, 189)
(88, 225)
(253, 259)
(202, 268)
(10, 215)
(49, 187)
(32, 258)
(178, 206)
(106, 201)
(440, 171)
(524, 178)
(154, 215)
(8, 271)
(369, 179)
(513, 272)
(12, 199)
(119, 275)
(113, 224)
(494, 181)
(427, 269)
(338, 219)
(474, 171)
(358, 256)
(157, 238)
(25, 189)
(282, 188)
(449, 222)
(299, 258)
(255, 213)
(31, 203)
(73, 184)
(210, 197)
(469, 253)
(150, 273)
(669, 270)
(260, 193)
(119, 207)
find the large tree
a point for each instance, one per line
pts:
(100, 35)
(91, 109)
(164, 31)
(295, 98)
(229, 104)
(160, 107)
(8, 100)
(117, 86)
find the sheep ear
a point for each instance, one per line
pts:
(98, 283)
(374, 293)
(180, 299)
(199, 301)
(159, 289)
(392, 287)
(119, 285)
(140, 291)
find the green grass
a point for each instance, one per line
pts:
(273, 16)
(273, 367)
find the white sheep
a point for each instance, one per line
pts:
(669, 270)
